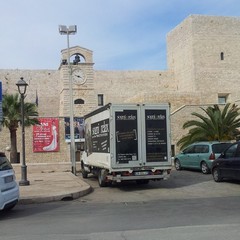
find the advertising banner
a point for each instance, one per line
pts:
(78, 129)
(156, 142)
(100, 136)
(126, 136)
(46, 135)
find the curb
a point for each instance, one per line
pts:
(61, 197)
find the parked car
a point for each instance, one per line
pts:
(9, 189)
(200, 156)
(227, 166)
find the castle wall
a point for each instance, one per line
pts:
(122, 86)
(44, 83)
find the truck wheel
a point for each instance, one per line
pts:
(84, 172)
(102, 174)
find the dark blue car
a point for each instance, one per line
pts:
(227, 166)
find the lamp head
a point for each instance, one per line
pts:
(22, 86)
(67, 30)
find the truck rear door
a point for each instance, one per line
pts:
(156, 144)
(126, 127)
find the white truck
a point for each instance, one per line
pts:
(126, 142)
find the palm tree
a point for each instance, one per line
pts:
(11, 106)
(215, 125)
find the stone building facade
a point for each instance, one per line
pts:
(203, 69)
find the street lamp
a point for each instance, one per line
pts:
(22, 87)
(64, 30)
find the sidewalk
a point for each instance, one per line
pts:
(51, 186)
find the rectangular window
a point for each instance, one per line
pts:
(222, 99)
(100, 100)
(222, 56)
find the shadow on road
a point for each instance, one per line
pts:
(178, 179)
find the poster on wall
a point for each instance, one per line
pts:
(46, 135)
(78, 129)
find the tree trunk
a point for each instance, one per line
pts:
(13, 153)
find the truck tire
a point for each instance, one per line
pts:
(84, 172)
(102, 174)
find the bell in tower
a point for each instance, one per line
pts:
(76, 60)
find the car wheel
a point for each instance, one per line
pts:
(178, 165)
(204, 168)
(10, 207)
(216, 175)
(102, 174)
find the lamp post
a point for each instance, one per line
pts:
(22, 87)
(64, 30)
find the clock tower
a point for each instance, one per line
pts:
(81, 74)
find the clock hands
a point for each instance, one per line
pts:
(78, 76)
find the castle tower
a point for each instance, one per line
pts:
(203, 54)
(83, 82)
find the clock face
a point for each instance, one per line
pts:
(79, 76)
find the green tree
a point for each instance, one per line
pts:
(215, 125)
(11, 106)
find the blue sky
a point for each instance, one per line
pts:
(123, 34)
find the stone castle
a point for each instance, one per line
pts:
(203, 69)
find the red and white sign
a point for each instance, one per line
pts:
(45, 135)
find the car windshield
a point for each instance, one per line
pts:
(4, 163)
(220, 147)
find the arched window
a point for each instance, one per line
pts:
(79, 101)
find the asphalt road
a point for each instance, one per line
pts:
(181, 185)
(194, 210)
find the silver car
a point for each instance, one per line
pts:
(9, 189)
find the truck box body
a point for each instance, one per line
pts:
(128, 142)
